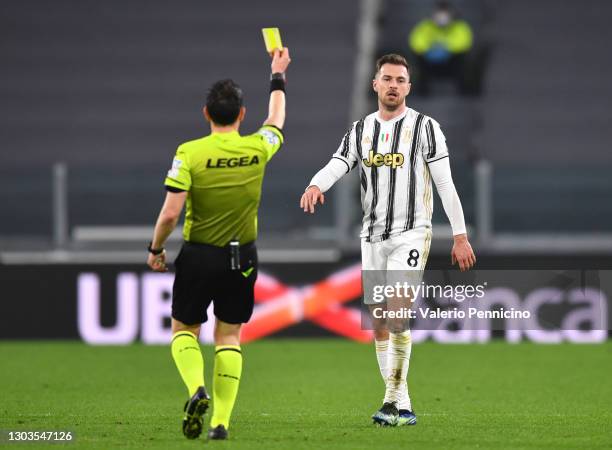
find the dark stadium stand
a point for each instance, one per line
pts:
(546, 116)
(112, 87)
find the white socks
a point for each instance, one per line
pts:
(381, 356)
(393, 361)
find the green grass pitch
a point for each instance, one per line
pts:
(311, 394)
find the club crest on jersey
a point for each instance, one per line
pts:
(393, 160)
(406, 136)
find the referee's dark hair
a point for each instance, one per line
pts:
(392, 58)
(224, 101)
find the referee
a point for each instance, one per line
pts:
(219, 177)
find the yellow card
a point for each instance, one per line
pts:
(272, 39)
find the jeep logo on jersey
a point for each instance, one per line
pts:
(232, 162)
(394, 160)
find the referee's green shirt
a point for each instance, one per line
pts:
(223, 173)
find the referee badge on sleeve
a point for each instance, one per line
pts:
(174, 171)
(270, 136)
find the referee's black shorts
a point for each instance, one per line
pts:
(203, 275)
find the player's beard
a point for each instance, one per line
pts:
(391, 104)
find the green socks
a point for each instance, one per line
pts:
(188, 358)
(226, 378)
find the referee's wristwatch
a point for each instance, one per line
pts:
(155, 251)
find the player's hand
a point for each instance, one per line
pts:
(157, 263)
(462, 253)
(280, 60)
(310, 198)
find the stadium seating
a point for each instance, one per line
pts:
(112, 87)
(546, 116)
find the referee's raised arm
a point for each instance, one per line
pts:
(276, 110)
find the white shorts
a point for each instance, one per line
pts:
(406, 251)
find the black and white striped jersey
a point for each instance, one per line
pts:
(392, 158)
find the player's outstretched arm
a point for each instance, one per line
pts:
(339, 165)
(322, 182)
(310, 198)
(276, 109)
(462, 252)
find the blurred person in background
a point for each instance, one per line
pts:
(220, 178)
(441, 45)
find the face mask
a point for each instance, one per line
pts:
(442, 18)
